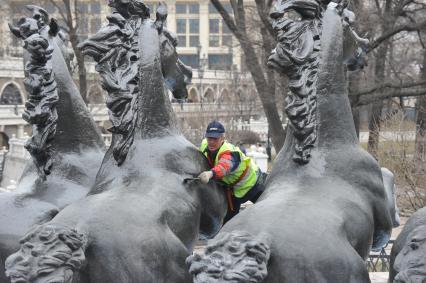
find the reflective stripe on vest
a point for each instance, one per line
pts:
(240, 185)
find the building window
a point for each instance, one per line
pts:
(214, 25)
(181, 8)
(181, 40)
(89, 21)
(214, 41)
(180, 26)
(220, 35)
(220, 61)
(194, 8)
(83, 27)
(187, 8)
(194, 26)
(95, 25)
(212, 9)
(11, 95)
(188, 24)
(190, 60)
(82, 8)
(194, 40)
(95, 8)
(227, 40)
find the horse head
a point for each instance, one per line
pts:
(176, 74)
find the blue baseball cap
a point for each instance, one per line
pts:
(214, 130)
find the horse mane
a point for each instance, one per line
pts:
(297, 55)
(45, 249)
(298, 24)
(40, 108)
(237, 256)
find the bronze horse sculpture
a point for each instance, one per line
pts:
(324, 204)
(408, 255)
(66, 146)
(140, 221)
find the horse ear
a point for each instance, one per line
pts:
(15, 31)
(53, 27)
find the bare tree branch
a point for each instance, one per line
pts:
(227, 18)
(76, 14)
(368, 99)
(255, 66)
(391, 86)
(242, 18)
(264, 16)
(395, 30)
(65, 19)
(379, 9)
(419, 34)
(235, 9)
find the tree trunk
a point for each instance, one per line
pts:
(267, 96)
(82, 75)
(237, 25)
(375, 115)
(354, 85)
(355, 115)
(374, 128)
(379, 72)
(420, 147)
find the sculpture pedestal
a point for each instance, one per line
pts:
(379, 277)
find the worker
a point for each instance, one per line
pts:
(230, 166)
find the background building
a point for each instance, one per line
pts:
(205, 44)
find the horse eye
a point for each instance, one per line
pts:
(293, 15)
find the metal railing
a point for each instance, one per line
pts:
(380, 261)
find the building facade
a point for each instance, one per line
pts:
(205, 44)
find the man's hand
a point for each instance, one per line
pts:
(205, 176)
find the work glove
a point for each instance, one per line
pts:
(205, 176)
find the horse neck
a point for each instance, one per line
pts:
(334, 114)
(76, 129)
(155, 116)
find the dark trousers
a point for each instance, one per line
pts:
(252, 195)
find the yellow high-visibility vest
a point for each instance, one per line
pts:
(242, 179)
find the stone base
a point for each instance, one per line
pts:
(379, 277)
